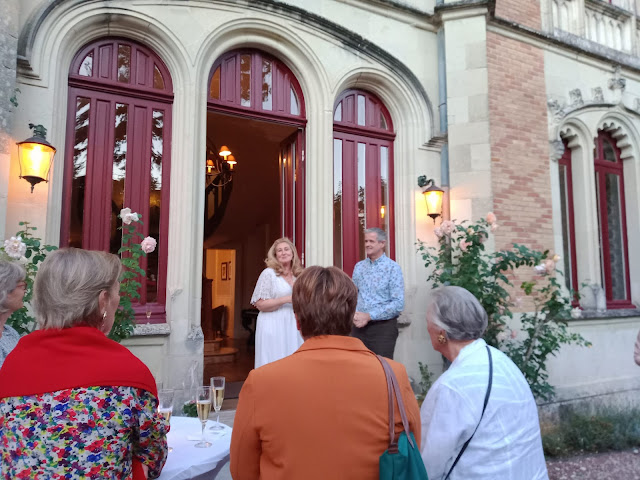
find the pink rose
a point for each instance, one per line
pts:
(148, 245)
(438, 231)
(514, 333)
(549, 266)
(494, 227)
(448, 227)
(464, 245)
(491, 218)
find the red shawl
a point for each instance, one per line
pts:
(46, 361)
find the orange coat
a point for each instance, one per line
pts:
(321, 413)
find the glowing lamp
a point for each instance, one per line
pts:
(36, 156)
(231, 160)
(210, 166)
(432, 196)
(224, 152)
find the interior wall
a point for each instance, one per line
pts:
(221, 267)
(251, 222)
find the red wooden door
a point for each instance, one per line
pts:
(292, 178)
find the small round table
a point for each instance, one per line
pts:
(186, 462)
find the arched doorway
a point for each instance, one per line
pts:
(118, 155)
(255, 107)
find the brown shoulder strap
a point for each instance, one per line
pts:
(392, 383)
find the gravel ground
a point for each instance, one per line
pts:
(596, 466)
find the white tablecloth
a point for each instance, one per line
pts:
(186, 461)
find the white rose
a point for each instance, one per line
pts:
(576, 313)
(15, 247)
(148, 245)
(540, 269)
(502, 336)
(127, 216)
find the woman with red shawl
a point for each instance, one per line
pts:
(73, 403)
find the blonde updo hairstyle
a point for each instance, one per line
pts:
(272, 262)
(68, 285)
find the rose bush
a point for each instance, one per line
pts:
(462, 260)
(28, 250)
(130, 253)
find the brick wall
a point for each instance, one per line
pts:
(519, 143)
(524, 12)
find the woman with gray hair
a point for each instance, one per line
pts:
(69, 377)
(12, 289)
(479, 419)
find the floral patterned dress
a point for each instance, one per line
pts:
(81, 433)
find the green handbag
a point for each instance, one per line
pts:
(402, 460)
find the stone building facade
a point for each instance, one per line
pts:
(496, 100)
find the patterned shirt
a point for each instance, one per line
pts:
(380, 288)
(81, 433)
(8, 342)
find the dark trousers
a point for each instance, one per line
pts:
(379, 336)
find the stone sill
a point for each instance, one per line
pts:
(608, 314)
(151, 329)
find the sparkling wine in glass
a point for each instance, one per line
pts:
(165, 405)
(203, 407)
(217, 384)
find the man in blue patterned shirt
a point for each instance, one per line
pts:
(380, 296)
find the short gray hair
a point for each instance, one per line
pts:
(457, 312)
(381, 234)
(11, 273)
(68, 285)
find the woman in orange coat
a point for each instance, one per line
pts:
(323, 411)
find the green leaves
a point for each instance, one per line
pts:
(23, 320)
(460, 259)
(130, 254)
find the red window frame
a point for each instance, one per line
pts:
(572, 274)
(283, 81)
(603, 167)
(374, 129)
(145, 89)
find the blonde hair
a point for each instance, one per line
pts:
(272, 262)
(68, 285)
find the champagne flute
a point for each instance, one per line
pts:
(165, 405)
(217, 384)
(148, 313)
(203, 407)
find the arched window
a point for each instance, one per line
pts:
(363, 175)
(614, 258)
(250, 81)
(118, 155)
(565, 174)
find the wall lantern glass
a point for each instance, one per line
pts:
(36, 156)
(432, 196)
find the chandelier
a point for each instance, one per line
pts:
(220, 167)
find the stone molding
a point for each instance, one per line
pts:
(149, 329)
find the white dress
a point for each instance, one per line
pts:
(276, 333)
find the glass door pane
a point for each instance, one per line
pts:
(337, 202)
(615, 237)
(80, 150)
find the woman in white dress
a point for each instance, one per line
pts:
(277, 334)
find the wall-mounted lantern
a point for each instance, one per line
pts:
(36, 156)
(432, 196)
